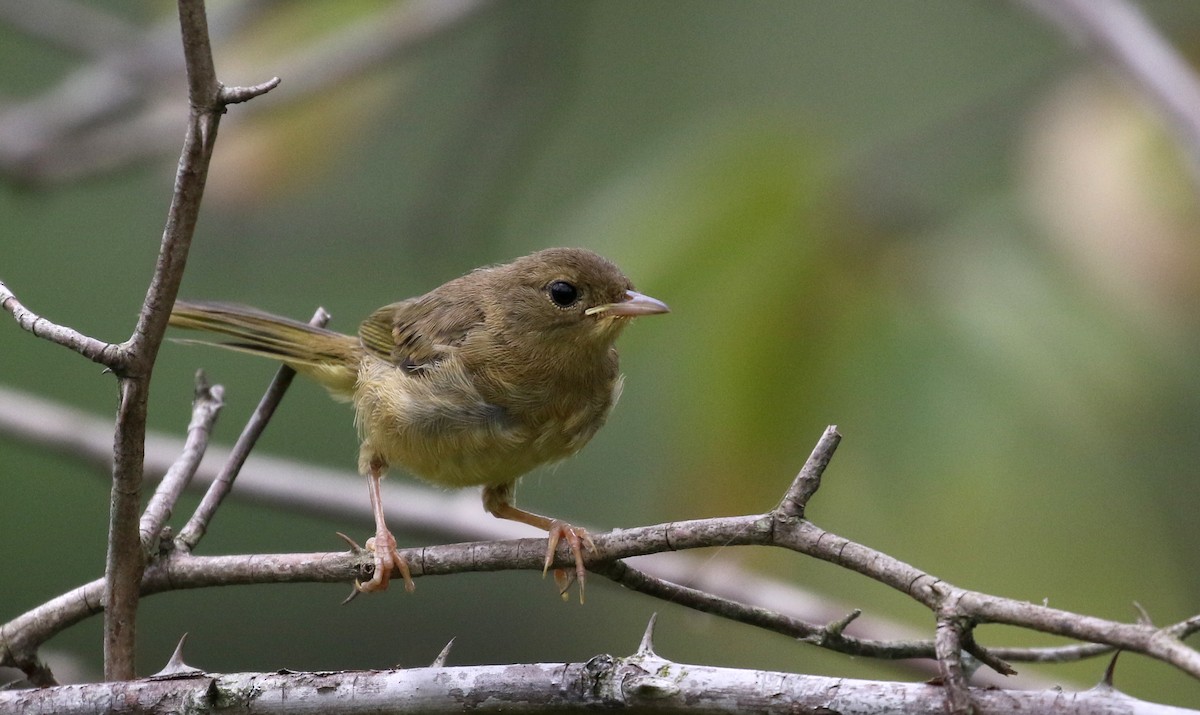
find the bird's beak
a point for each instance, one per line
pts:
(635, 304)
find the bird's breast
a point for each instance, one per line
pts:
(455, 427)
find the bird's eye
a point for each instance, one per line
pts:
(563, 293)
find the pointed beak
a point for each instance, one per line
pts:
(634, 305)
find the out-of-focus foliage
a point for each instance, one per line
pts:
(933, 224)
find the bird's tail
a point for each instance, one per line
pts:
(329, 357)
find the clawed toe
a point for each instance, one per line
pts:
(577, 538)
(387, 558)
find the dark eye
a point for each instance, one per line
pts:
(563, 293)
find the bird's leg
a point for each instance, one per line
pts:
(383, 544)
(497, 500)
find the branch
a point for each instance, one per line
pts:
(932, 592)
(206, 407)
(958, 611)
(21, 637)
(641, 683)
(726, 589)
(106, 354)
(830, 635)
(949, 646)
(220, 487)
(124, 562)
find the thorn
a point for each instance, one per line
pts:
(176, 658)
(440, 660)
(646, 647)
(354, 547)
(175, 667)
(1143, 615)
(1107, 682)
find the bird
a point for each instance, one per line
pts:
(475, 383)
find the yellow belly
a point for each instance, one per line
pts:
(441, 429)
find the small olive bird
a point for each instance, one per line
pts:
(476, 382)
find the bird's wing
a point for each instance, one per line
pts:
(416, 333)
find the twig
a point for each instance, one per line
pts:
(205, 409)
(1186, 628)
(220, 487)
(106, 354)
(808, 481)
(1053, 654)
(237, 95)
(829, 636)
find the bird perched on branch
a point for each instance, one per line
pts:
(474, 383)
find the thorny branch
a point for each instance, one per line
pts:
(641, 683)
(958, 611)
(721, 588)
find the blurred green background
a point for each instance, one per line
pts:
(935, 224)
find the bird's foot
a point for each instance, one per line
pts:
(577, 538)
(383, 545)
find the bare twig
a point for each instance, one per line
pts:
(220, 487)
(104, 353)
(808, 481)
(1054, 654)
(1186, 628)
(237, 95)
(205, 409)
(828, 635)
